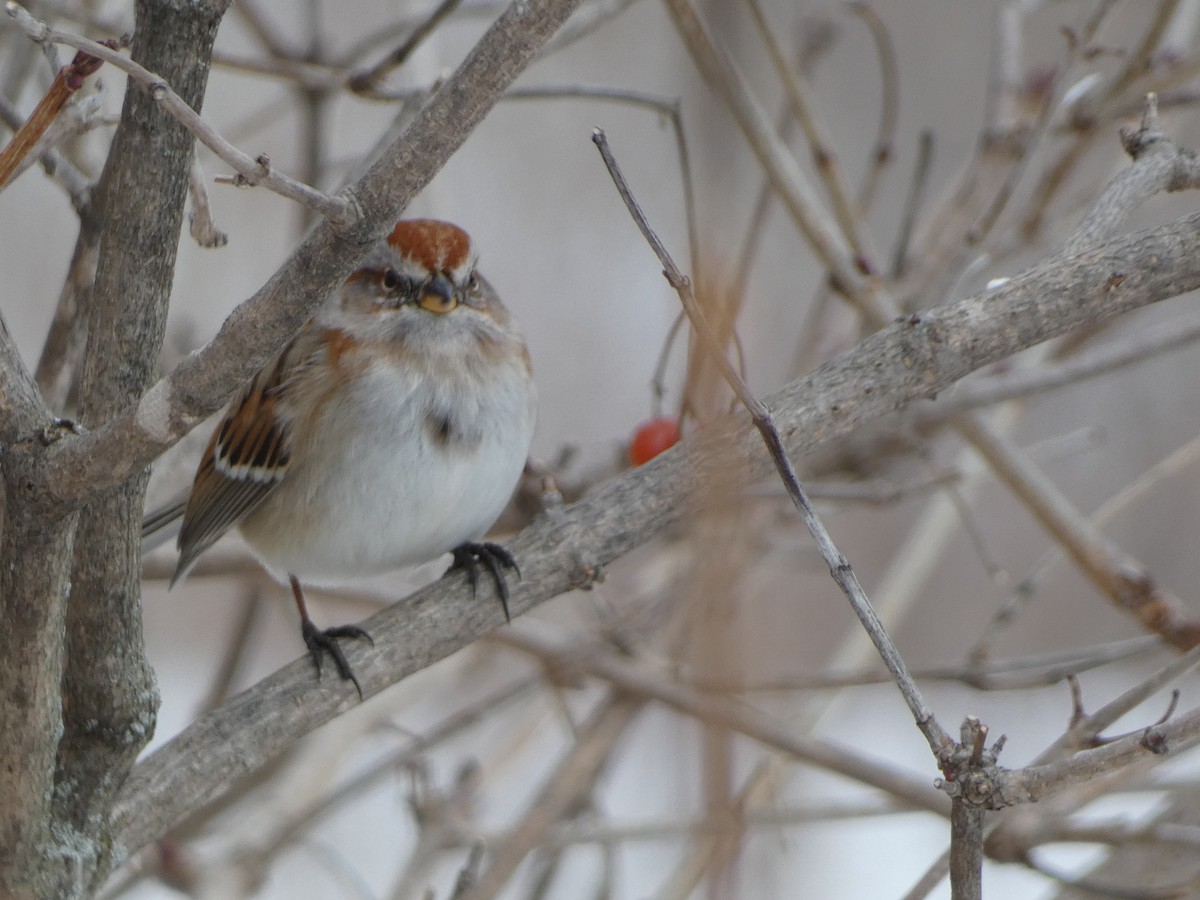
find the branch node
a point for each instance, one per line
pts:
(1136, 141)
(1154, 741)
(36, 30)
(57, 429)
(975, 734)
(972, 774)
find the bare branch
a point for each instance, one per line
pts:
(910, 359)
(820, 143)
(570, 784)
(251, 171)
(1115, 573)
(1037, 782)
(839, 566)
(881, 157)
(636, 680)
(56, 167)
(203, 229)
(1138, 346)
(366, 79)
(1159, 165)
(794, 189)
(66, 82)
(966, 825)
(257, 328)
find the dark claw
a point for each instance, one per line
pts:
(470, 556)
(320, 642)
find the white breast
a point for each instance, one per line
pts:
(378, 488)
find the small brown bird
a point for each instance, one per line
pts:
(392, 429)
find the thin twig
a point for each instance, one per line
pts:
(1138, 346)
(235, 651)
(366, 78)
(1086, 128)
(636, 680)
(904, 362)
(81, 117)
(583, 23)
(1021, 673)
(263, 29)
(658, 380)
(889, 107)
(250, 171)
(1171, 466)
(617, 833)
(820, 144)
(67, 81)
(302, 74)
(839, 566)
(573, 779)
(794, 189)
(1037, 782)
(62, 351)
(668, 107)
(200, 221)
(1114, 572)
(912, 203)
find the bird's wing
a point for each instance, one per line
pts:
(247, 456)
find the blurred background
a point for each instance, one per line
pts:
(389, 800)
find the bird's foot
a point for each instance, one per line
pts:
(469, 557)
(321, 642)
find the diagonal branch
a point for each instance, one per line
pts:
(69, 79)
(78, 469)
(839, 566)
(913, 358)
(251, 171)
(564, 791)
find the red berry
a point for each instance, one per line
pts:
(652, 438)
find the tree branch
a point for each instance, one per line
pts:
(566, 789)
(78, 469)
(839, 566)
(147, 175)
(21, 406)
(110, 699)
(251, 171)
(912, 359)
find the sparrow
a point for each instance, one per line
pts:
(391, 430)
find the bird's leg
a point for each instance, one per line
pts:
(319, 642)
(470, 556)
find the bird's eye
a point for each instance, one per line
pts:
(473, 283)
(391, 280)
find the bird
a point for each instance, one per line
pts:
(391, 430)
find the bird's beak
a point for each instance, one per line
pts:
(441, 287)
(439, 296)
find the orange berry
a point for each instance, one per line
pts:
(652, 438)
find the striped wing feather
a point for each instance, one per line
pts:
(245, 460)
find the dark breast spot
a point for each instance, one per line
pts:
(448, 424)
(449, 432)
(440, 427)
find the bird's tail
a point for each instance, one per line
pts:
(162, 525)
